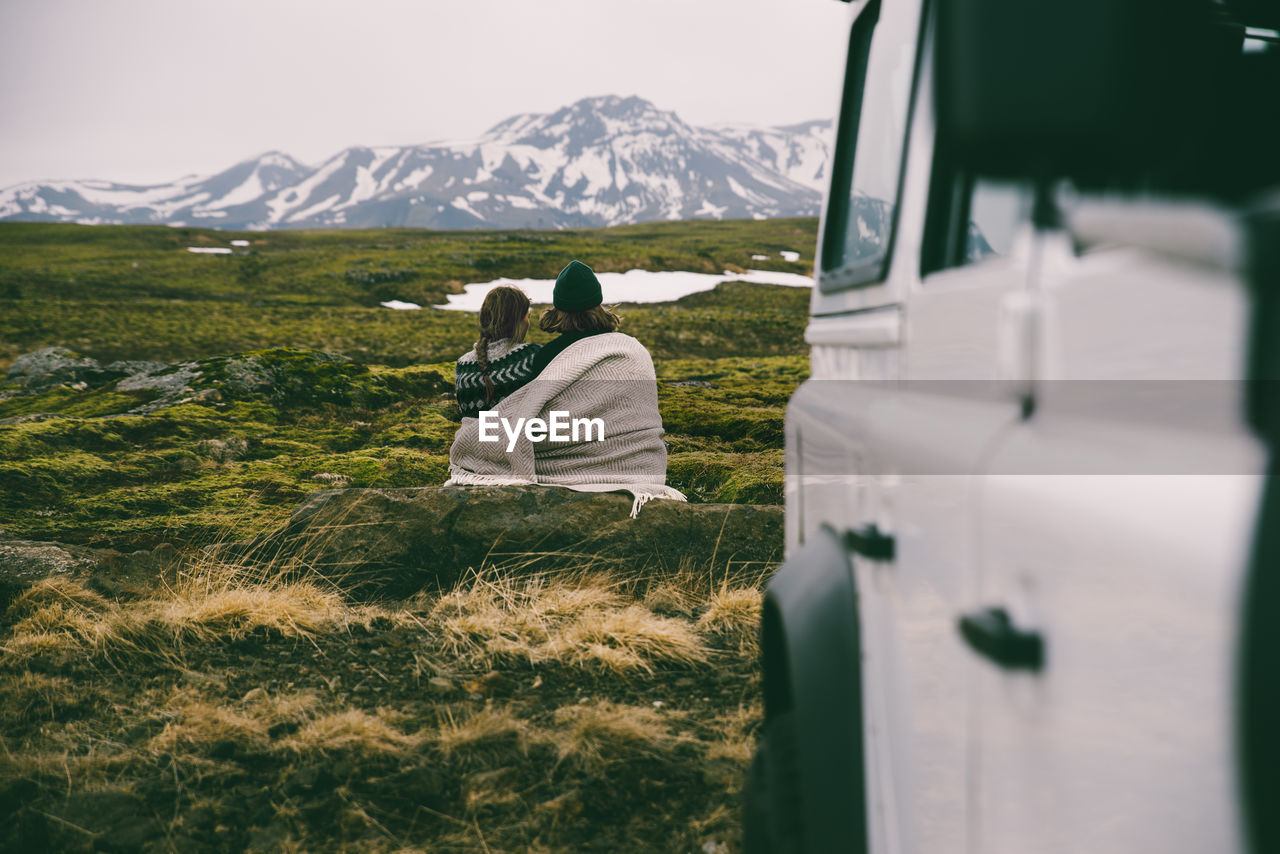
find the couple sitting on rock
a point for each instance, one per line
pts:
(580, 411)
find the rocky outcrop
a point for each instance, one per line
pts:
(390, 543)
(52, 366)
(27, 562)
(393, 542)
(288, 376)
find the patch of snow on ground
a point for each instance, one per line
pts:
(788, 255)
(209, 250)
(239, 243)
(401, 305)
(759, 257)
(631, 286)
(758, 216)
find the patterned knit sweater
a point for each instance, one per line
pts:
(510, 367)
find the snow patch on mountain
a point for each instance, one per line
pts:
(600, 161)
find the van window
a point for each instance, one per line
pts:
(996, 210)
(870, 140)
(970, 219)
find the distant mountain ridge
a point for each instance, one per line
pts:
(600, 161)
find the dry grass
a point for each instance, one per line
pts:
(355, 731)
(593, 737)
(629, 638)
(573, 621)
(488, 730)
(198, 726)
(733, 613)
(60, 618)
(563, 704)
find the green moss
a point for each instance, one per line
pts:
(711, 476)
(116, 292)
(301, 376)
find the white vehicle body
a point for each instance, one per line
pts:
(1054, 431)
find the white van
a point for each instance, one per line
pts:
(1023, 608)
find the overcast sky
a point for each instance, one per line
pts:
(146, 91)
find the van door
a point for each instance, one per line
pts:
(1113, 534)
(887, 437)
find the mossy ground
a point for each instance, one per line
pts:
(78, 467)
(569, 713)
(134, 292)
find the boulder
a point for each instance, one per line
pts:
(26, 562)
(134, 367)
(52, 366)
(394, 542)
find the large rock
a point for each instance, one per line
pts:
(25, 562)
(394, 542)
(51, 366)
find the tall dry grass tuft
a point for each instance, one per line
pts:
(355, 731)
(199, 726)
(217, 593)
(593, 737)
(733, 614)
(630, 638)
(489, 738)
(573, 618)
(64, 618)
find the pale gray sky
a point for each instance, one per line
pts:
(146, 91)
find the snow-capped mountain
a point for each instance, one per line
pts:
(600, 161)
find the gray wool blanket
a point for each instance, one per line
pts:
(606, 384)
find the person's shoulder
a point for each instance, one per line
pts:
(468, 357)
(620, 340)
(518, 355)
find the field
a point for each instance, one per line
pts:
(207, 707)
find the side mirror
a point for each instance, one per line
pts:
(1084, 90)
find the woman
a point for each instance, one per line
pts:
(589, 374)
(500, 362)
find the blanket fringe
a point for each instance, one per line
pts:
(641, 499)
(466, 478)
(461, 477)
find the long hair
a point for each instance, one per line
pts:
(598, 319)
(504, 314)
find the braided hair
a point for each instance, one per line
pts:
(504, 314)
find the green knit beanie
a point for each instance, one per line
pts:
(577, 288)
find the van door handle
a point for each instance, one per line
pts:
(991, 633)
(870, 542)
